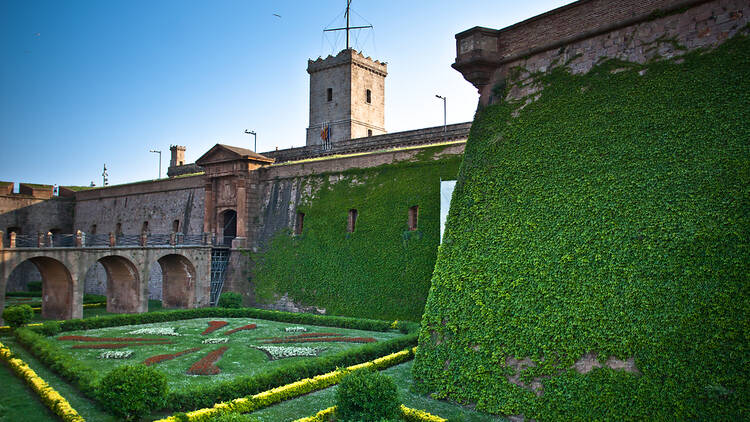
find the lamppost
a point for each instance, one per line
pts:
(445, 121)
(158, 152)
(255, 139)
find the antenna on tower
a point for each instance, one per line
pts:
(347, 28)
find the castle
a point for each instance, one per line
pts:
(233, 197)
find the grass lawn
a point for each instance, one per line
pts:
(240, 358)
(83, 405)
(312, 403)
(18, 402)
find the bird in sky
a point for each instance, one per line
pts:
(277, 15)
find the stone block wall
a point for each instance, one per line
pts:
(159, 203)
(587, 32)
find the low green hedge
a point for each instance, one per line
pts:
(175, 315)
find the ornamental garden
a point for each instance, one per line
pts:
(210, 364)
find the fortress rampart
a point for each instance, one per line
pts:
(587, 32)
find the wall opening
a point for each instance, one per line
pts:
(300, 222)
(413, 217)
(369, 132)
(93, 229)
(57, 289)
(329, 94)
(178, 281)
(55, 231)
(176, 226)
(144, 227)
(123, 286)
(352, 220)
(229, 226)
(118, 229)
(368, 96)
(16, 230)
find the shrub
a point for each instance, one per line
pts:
(50, 328)
(34, 286)
(366, 395)
(230, 300)
(18, 315)
(132, 391)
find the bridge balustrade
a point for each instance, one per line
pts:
(84, 240)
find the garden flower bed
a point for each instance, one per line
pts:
(168, 356)
(207, 365)
(213, 326)
(243, 328)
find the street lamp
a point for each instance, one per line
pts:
(255, 137)
(445, 121)
(158, 152)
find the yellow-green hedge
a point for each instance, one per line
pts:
(50, 397)
(409, 415)
(285, 392)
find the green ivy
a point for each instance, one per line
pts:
(612, 216)
(381, 270)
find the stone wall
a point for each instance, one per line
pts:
(158, 202)
(36, 215)
(588, 32)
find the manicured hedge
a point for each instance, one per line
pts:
(612, 216)
(381, 270)
(175, 315)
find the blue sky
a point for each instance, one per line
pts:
(84, 83)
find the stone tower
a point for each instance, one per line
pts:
(178, 155)
(347, 95)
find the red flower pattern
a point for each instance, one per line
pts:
(207, 365)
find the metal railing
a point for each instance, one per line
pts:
(84, 240)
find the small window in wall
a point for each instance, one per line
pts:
(368, 95)
(180, 163)
(55, 231)
(369, 132)
(329, 94)
(176, 226)
(93, 229)
(144, 227)
(300, 222)
(413, 216)
(352, 220)
(118, 229)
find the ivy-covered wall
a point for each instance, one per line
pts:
(597, 252)
(381, 270)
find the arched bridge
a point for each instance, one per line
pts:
(186, 275)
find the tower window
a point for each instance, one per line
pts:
(176, 226)
(352, 220)
(369, 132)
(300, 222)
(329, 94)
(368, 94)
(413, 215)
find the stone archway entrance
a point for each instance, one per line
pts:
(229, 223)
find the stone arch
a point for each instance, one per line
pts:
(178, 281)
(57, 287)
(124, 290)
